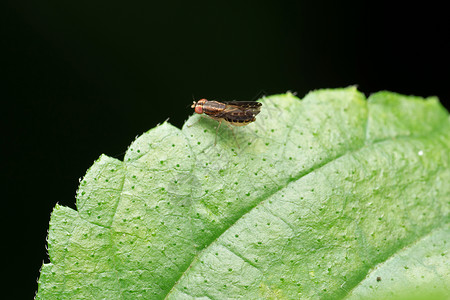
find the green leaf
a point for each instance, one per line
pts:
(413, 273)
(315, 199)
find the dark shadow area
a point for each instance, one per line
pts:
(84, 78)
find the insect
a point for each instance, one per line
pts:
(236, 113)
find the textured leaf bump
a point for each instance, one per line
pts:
(332, 196)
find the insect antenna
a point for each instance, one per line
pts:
(193, 98)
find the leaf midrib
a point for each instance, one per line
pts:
(300, 175)
(363, 145)
(398, 252)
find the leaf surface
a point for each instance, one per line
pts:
(315, 196)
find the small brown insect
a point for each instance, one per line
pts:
(236, 113)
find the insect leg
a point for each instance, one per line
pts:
(232, 131)
(217, 131)
(190, 125)
(260, 95)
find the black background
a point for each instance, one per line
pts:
(84, 78)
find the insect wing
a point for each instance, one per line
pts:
(244, 106)
(236, 116)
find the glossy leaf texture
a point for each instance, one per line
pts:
(316, 199)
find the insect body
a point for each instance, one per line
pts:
(236, 113)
